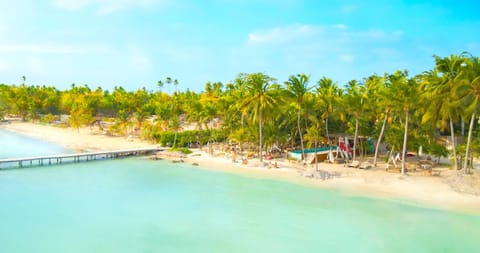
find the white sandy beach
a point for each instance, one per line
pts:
(82, 140)
(415, 187)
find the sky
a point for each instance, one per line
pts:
(135, 43)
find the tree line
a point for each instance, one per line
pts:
(256, 109)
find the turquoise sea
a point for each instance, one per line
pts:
(139, 205)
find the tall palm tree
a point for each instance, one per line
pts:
(405, 99)
(175, 85)
(210, 108)
(469, 91)
(260, 98)
(378, 92)
(355, 105)
(297, 86)
(168, 80)
(314, 132)
(442, 89)
(329, 95)
(160, 85)
(176, 124)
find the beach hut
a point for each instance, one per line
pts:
(322, 154)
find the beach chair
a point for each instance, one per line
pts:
(354, 164)
(366, 165)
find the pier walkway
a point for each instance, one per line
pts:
(75, 158)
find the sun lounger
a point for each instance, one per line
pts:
(366, 165)
(354, 164)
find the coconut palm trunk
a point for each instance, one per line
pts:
(260, 134)
(467, 152)
(355, 140)
(454, 144)
(328, 136)
(382, 131)
(316, 155)
(300, 133)
(405, 138)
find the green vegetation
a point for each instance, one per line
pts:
(258, 112)
(185, 151)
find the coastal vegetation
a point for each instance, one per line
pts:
(260, 112)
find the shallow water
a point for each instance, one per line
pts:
(139, 205)
(14, 145)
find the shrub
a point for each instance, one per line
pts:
(185, 151)
(185, 138)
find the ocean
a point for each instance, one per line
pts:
(141, 205)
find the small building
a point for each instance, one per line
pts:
(322, 154)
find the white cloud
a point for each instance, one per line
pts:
(282, 34)
(338, 33)
(51, 48)
(321, 49)
(103, 7)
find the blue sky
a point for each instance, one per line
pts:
(135, 43)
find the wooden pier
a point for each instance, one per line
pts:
(74, 158)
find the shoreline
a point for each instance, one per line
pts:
(414, 188)
(417, 190)
(84, 139)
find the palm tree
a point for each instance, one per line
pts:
(297, 87)
(405, 99)
(235, 92)
(175, 121)
(20, 100)
(160, 85)
(260, 98)
(355, 105)
(314, 134)
(443, 94)
(329, 95)
(175, 84)
(209, 101)
(441, 105)
(378, 91)
(168, 80)
(469, 91)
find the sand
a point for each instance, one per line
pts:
(415, 188)
(82, 140)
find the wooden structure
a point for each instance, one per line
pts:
(75, 158)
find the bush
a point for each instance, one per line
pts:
(438, 150)
(185, 138)
(166, 138)
(185, 151)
